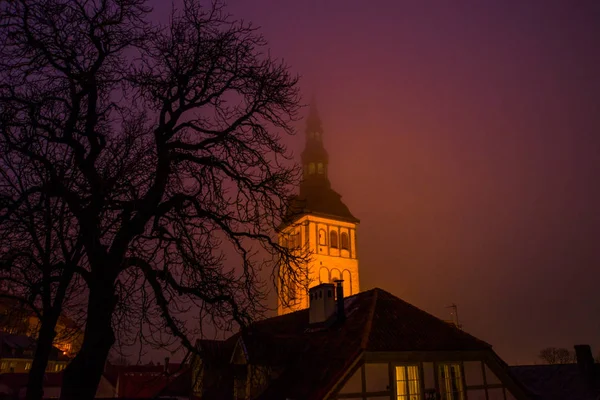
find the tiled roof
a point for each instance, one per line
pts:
(375, 321)
(563, 381)
(141, 381)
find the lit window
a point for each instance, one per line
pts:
(333, 239)
(322, 238)
(345, 241)
(311, 168)
(27, 366)
(320, 168)
(408, 385)
(451, 387)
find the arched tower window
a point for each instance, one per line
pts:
(320, 168)
(311, 168)
(344, 241)
(333, 239)
(322, 237)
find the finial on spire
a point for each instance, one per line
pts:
(313, 121)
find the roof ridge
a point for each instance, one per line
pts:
(369, 324)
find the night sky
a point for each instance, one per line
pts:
(466, 137)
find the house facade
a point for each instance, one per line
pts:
(371, 345)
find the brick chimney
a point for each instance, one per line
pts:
(322, 303)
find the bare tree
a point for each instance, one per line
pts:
(37, 261)
(554, 355)
(162, 143)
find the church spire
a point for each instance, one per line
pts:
(315, 159)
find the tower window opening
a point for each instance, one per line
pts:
(320, 168)
(311, 168)
(333, 239)
(322, 237)
(345, 242)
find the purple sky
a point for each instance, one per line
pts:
(466, 137)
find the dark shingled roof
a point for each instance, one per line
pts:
(323, 202)
(558, 382)
(376, 321)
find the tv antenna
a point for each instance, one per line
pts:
(454, 314)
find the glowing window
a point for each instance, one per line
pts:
(408, 385)
(320, 168)
(311, 168)
(451, 387)
(333, 239)
(322, 237)
(345, 241)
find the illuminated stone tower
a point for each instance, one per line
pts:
(320, 224)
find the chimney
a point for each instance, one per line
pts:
(322, 303)
(583, 353)
(585, 361)
(339, 289)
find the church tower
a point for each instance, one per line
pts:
(319, 223)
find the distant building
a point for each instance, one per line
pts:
(371, 345)
(14, 319)
(579, 381)
(16, 355)
(320, 224)
(169, 381)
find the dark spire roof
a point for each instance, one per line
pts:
(316, 196)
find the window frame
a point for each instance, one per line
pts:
(333, 239)
(344, 245)
(441, 381)
(408, 395)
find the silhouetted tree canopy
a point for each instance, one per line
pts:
(554, 355)
(158, 148)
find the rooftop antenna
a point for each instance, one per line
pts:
(454, 314)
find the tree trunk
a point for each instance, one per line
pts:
(35, 382)
(83, 374)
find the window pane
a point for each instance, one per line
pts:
(400, 373)
(377, 377)
(490, 377)
(473, 373)
(401, 388)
